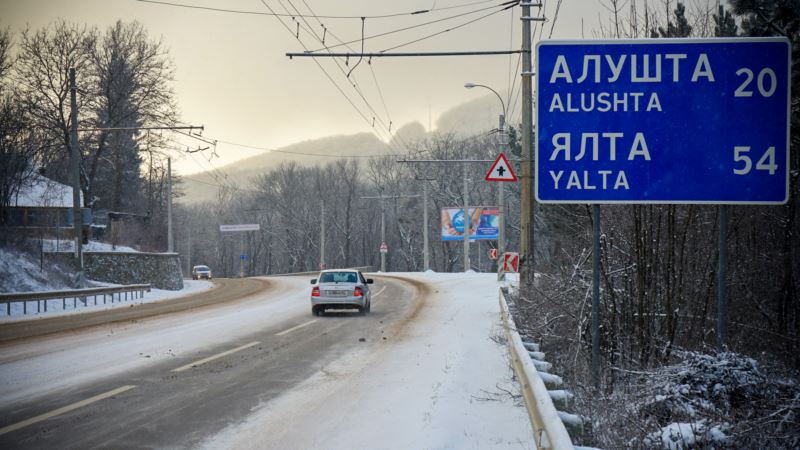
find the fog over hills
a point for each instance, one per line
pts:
(470, 118)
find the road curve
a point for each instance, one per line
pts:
(174, 381)
(225, 290)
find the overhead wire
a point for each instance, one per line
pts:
(510, 58)
(261, 13)
(518, 95)
(447, 30)
(555, 18)
(401, 142)
(411, 27)
(369, 63)
(349, 77)
(507, 6)
(289, 152)
(309, 29)
(324, 71)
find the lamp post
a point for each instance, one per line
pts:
(503, 141)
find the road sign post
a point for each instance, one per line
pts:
(663, 121)
(238, 228)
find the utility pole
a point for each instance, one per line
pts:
(75, 163)
(526, 273)
(466, 220)
(241, 257)
(501, 234)
(503, 142)
(322, 237)
(383, 235)
(170, 247)
(426, 259)
(188, 250)
(426, 262)
(383, 221)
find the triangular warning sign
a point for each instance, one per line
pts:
(501, 170)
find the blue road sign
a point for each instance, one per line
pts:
(242, 257)
(663, 121)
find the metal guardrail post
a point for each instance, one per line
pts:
(549, 430)
(75, 294)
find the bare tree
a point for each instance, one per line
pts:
(41, 74)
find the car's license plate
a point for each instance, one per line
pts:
(338, 293)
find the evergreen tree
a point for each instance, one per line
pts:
(680, 28)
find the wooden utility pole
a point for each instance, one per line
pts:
(526, 273)
(75, 166)
(170, 246)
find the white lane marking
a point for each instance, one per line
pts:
(295, 328)
(217, 356)
(379, 292)
(65, 409)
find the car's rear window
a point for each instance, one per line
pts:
(338, 277)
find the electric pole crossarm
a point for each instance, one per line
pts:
(402, 54)
(453, 160)
(200, 127)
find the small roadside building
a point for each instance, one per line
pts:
(43, 208)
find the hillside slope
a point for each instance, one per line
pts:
(470, 118)
(202, 187)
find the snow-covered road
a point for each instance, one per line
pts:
(443, 385)
(424, 370)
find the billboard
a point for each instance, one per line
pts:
(484, 221)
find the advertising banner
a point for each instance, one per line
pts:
(484, 223)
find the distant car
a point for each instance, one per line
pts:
(199, 272)
(340, 289)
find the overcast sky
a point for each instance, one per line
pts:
(233, 77)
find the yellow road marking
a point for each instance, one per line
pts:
(64, 409)
(295, 328)
(217, 356)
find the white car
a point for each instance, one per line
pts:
(340, 289)
(199, 272)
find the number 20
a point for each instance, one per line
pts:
(765, 92)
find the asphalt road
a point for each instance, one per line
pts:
(195, 371)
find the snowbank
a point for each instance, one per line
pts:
(53, 245)
(22, 271)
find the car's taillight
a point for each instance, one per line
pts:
(315, 291)
(357, 292)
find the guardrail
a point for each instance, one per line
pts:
(123, 293)
(548, 428)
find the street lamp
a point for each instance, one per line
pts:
(501, 235)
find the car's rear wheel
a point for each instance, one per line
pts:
(317, 310)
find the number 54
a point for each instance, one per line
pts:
(766, 162)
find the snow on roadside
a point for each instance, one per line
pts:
(443, 382)
(53, 245)
(22, 271)
(36, 310)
